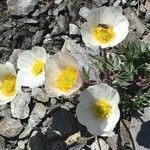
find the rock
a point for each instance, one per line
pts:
(2, 143)
(124, 134)
(147, 16)
(84, 11)
(73, 138)
(62, 22)
(113, 141)
(73, 29)
(82, 56)
(23, 21)
(140, 130)
(39, 110)
(20, 7)
(69, 105)
(147, 5)
(135, 22)
(146, 38)
(63, 124)
(131, 37)
(10, 127)
(39, 95)
(78, 145)
(14, 57)
(56, 145)
(37, 39)
(103, 145)
(37, 114)
(33, 121)
(42, 9)
(21, 144)
(37, 141)
(100, 2)
(5, 113)
(58, 2)
(19, 105)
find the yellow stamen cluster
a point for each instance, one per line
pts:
(103, 34)
(66, 79)
(102, 109)
(8, 85)
(37, 67)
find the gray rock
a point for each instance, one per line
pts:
(2, 143)
(10, 127)
(14, 57)
(84, 11)
(73, 29)
(19, 105)
(58, 2)
(124, 134)
(62, 22)
(103, 145)
(100, 2)
(135, 22)
(38, 112)
(21, 144)
(42, 9)
(5, 113)
(20, 7)
(113, 141)
(26, 21)
(39, 95)
(146, 38)
(37, 39)
(140, 130)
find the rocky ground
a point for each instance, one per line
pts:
(33, 121)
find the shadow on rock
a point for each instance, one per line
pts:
(143, 137)
(63, 124)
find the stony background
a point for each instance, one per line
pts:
(33, 121)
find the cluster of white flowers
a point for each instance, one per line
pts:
(60, 74)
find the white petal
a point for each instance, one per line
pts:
(25, 60)
(86, 98)
(39, 53)
(104, 91)
(93, 126)
(105, 15)
(88, 39)
(25, 78)
(83, 114)
(6, 99)
(11, 67)
(110, 123)
(64, 59)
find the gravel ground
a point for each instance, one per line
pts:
(33, 121)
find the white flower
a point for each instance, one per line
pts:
(31, 67)
(105, 27)
(63, 76)
(98, 109)
(8, 85)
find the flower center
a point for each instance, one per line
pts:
(102, 109)
(8, 85)
(66, 78)
(103, 33)
(37, 67)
